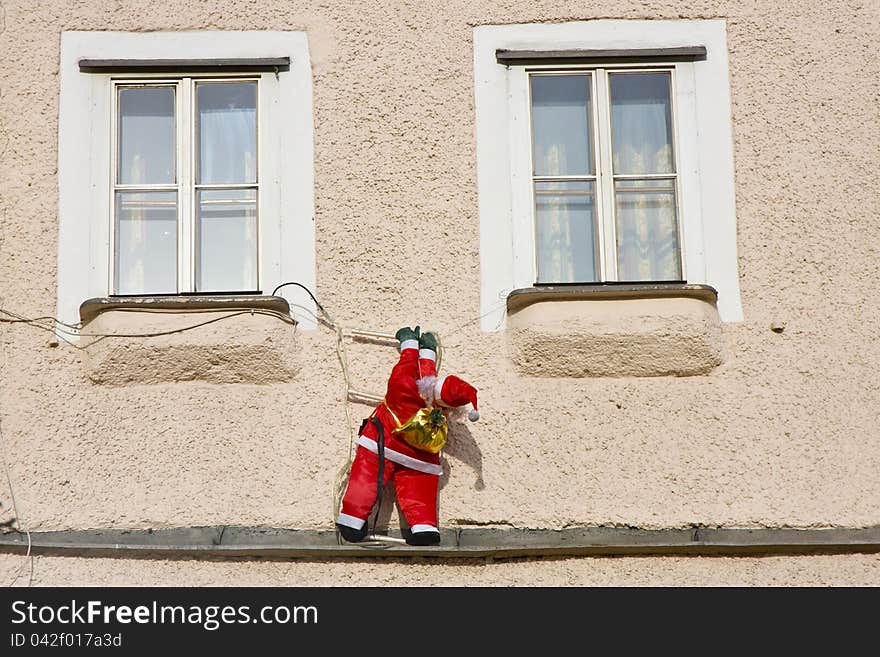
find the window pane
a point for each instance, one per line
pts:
(227, 132)
(647, 231)
(227, 240)
(641, 123)
(146, 242)
(146, 135)
(566, 232)
(562, 138)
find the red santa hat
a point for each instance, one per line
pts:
(458, 392)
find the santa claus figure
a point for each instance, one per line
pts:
(401, 441)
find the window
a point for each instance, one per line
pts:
(604, 155)
(603, 175)
(185, 165)
(185, 193)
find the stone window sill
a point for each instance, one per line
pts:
(174, 338)
(91, 308)
(614, 330)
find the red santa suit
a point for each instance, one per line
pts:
(413, 385)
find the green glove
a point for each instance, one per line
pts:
(407, 333)
(428, 341)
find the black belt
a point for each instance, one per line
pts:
(380, 483)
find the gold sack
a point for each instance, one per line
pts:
(426, 430)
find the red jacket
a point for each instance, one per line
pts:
(402, 396)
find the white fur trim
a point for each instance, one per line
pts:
(397, 457)
(427, 389)
(350, 521)
(418, 529)
(438, 388)
(428, 354)
(409, 344)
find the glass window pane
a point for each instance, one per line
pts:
(146, 243)
(227, 132)
(226, 240)
(647, 231)
(561, 133)
(565, 232)
(146, 136)
(641, 123)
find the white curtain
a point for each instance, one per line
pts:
(146, 222)
(647, 232)
(227, 226)
(564, 211)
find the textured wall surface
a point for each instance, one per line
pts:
(222, 347)
(847, 570)
(783, 433)
(620, 337)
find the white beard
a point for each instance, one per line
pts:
(429, 389)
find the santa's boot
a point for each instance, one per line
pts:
(425, 537)
(427, 355)
(351, 534)
(408, 337)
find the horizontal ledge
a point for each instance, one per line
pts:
(183, 65)
(519, 299)
(597, 56)
(456, 543)
(91, 308)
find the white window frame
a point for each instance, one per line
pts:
(704, 148)
(286, 239)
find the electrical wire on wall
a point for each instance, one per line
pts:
(61, 329)
(18, 519)
(342, 356)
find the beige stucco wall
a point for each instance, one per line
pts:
(615, 338)
(783, 433)
(822, 570)
(234, 346)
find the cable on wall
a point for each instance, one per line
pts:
(18, 518)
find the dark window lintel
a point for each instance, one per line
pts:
(252, 64)
(600, 56)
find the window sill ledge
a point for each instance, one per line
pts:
(523, 297)
(91, 308)
(457, 542)
(614, 330)
(169, 339)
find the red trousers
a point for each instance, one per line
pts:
(416, 492)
